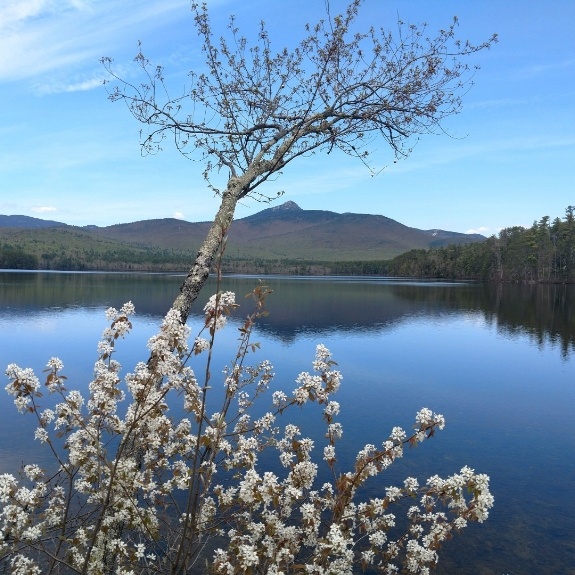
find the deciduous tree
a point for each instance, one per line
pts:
(254, 109)
(103, 511)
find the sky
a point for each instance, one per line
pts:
(69, 154)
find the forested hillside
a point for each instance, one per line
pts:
(284, 239)
(15, 258)
(545, 252)
(68, 248)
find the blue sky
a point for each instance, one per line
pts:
(68, 154)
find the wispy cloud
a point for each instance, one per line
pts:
(67, 149)
(547, 67)
(466, 148)
(39, 35)
(43, 209)
(14, 13)
(57, 87)
(499, 103)
(44, 36)
(311, 179)
(483, 230)
(178, 215)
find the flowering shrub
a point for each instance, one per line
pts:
(138, 491)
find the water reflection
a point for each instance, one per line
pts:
(467, 350)
(546, 313)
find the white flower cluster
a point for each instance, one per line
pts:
(138, 491)
(319, 386)
(218, 307)
(24, 387)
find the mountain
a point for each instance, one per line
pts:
(288, 231)
(284, 232)
(27, 222)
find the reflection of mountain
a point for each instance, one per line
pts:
(320, 306)
(315, 305)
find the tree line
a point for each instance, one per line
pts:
(13, 258)
(545, 252)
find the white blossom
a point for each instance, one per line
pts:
(267, 519)
(411, 484)
(55, 364)
(22, 565)
(201, 344)
(217, 306)
(329, 452)
(41, 435)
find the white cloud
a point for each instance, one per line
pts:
(82, 86)
(500, 103)
(178, 215)
(13, 13)
(539, 69)
(43, 209)
(483, 230)
(44, 36)
(450, 151)
(38, 35)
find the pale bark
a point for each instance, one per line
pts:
(254, 112)
(200, 271)
(189, 291)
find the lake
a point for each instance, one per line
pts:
(496, 361)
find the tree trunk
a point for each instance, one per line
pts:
(200, 271)
(189, 291)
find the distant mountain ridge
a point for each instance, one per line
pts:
(280, 232)
(27, 222)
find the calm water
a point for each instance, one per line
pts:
(497, 362)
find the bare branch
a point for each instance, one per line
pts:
(255, 111)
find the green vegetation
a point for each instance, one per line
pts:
(285, 241)
(12, 258)
(545, 252)
(292, 266)
(75, 249)
(69, 250)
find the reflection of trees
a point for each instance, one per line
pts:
(152, 293)
(545, 312)
(316, 305)
(320, 306)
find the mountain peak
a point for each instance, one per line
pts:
(286, 206)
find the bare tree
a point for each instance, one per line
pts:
(255, 110)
